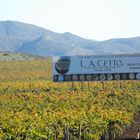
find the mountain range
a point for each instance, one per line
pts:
(26, 38)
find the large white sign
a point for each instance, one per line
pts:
(96, 68)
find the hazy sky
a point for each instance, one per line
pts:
(94, 19)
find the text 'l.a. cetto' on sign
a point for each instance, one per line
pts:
(96, 68)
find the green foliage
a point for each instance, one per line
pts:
(32, 107)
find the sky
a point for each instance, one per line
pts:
(92, 19)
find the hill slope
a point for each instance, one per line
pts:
(27, 38)
(8, 56)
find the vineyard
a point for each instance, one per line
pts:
(33, 107)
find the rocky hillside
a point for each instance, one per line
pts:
(7, 56)
(26, 38)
